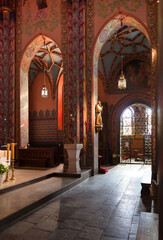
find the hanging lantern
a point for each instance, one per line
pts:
(44, 91)
(122, 82)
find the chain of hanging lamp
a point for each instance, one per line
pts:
(44, 90)
(122, 82)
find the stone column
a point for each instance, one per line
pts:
(72, 106)
(73, 151)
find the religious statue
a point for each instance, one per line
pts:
(99, 109)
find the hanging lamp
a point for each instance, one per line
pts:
(122, 83)
(44, 91)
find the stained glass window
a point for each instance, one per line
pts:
(127, 122)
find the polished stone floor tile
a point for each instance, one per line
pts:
(49, 225)
(63, 234)
(34, 234)
(132, 237)
(117, 232)
(104, 207)
(134, 228)
(110, 238)
(72, 224)
(18, 229)
(121, 222)
(90, 233)
(35, 218)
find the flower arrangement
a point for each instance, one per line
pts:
(4, 167)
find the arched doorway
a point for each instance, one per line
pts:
(135, 134)
(45, 118)
(111, 31)
(31, 53)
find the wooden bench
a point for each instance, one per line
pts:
(34, 162)
(146, 183)
(37, 157)
(148, 226)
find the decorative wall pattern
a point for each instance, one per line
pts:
(18, 45)
(90, 106)
(65, 65)
(43, 115)
(7, 76)
(45, 18)
(44, 128)
(106, 7)
(73, 107)
(82, 77)
(74, 130)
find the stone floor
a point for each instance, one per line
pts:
(104, 207)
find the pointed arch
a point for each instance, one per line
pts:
(27, 57)
(106, 32)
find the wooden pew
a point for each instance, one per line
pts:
(38, 157)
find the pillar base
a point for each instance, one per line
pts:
(73, 151)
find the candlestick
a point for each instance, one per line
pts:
(8, 153)
(8, 150)
(12, 149)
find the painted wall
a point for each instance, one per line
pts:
(43, 125)
(105, 9)
(37, 20)
(38, 103)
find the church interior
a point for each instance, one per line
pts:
(81, 113)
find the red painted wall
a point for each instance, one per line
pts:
(105, 9)
(38, 103)
(46, 21)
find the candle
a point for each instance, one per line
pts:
(8, 150)
(12, 149)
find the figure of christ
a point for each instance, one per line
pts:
(99, 109)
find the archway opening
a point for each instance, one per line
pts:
(129, 40)
(41, 54)
(45, 118)
(135, 134)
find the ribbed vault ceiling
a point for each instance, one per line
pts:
(128, 42)
(49, 57)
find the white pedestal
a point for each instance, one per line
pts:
(73, 151)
